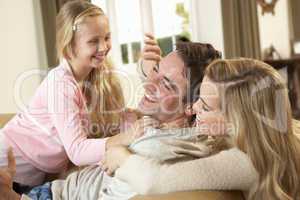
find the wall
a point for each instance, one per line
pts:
(206, 19)
(22, 49)
(275, 29)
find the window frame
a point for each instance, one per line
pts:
(147, 25)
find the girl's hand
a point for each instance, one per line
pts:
(129, 116)
(151, 54)
(6, 177)
(114, 158)
(136, 130)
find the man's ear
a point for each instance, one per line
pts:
(189, 110)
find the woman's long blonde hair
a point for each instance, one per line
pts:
(255, 101)
(101, 88)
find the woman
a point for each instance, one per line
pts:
(250, 99)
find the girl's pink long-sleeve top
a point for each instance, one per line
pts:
(53, 128)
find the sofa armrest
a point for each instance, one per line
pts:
(4, 118)
(194, 195)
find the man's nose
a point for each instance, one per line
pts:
(150, 86)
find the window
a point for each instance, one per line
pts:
(129, 30)
(171, 21)
(101, 4)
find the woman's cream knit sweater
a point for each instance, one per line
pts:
(227, 170)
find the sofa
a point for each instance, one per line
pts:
(187, 195)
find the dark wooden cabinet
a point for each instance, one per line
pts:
(293, 73)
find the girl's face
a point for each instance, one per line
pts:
(210, 118)
(91, 42)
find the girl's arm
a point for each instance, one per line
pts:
(73, 127)
(227, 170)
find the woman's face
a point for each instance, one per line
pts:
(92, 42)
(210, 117)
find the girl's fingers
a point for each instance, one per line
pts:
(104, 167)
(146, 122)
(150, 123)
(109, 172)
(101, 163)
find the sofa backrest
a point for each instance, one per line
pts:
(4, 118)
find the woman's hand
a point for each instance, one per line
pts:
(212, 124)
(6, 177)
(151, 54)
(114, 158)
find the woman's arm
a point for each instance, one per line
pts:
(227, 170)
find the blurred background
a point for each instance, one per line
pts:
(261, 29)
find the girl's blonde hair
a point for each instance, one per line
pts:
(101, 88)
(255, 101)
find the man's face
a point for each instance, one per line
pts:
(165, 89)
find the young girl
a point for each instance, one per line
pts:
(79, 100)
(252, 99)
